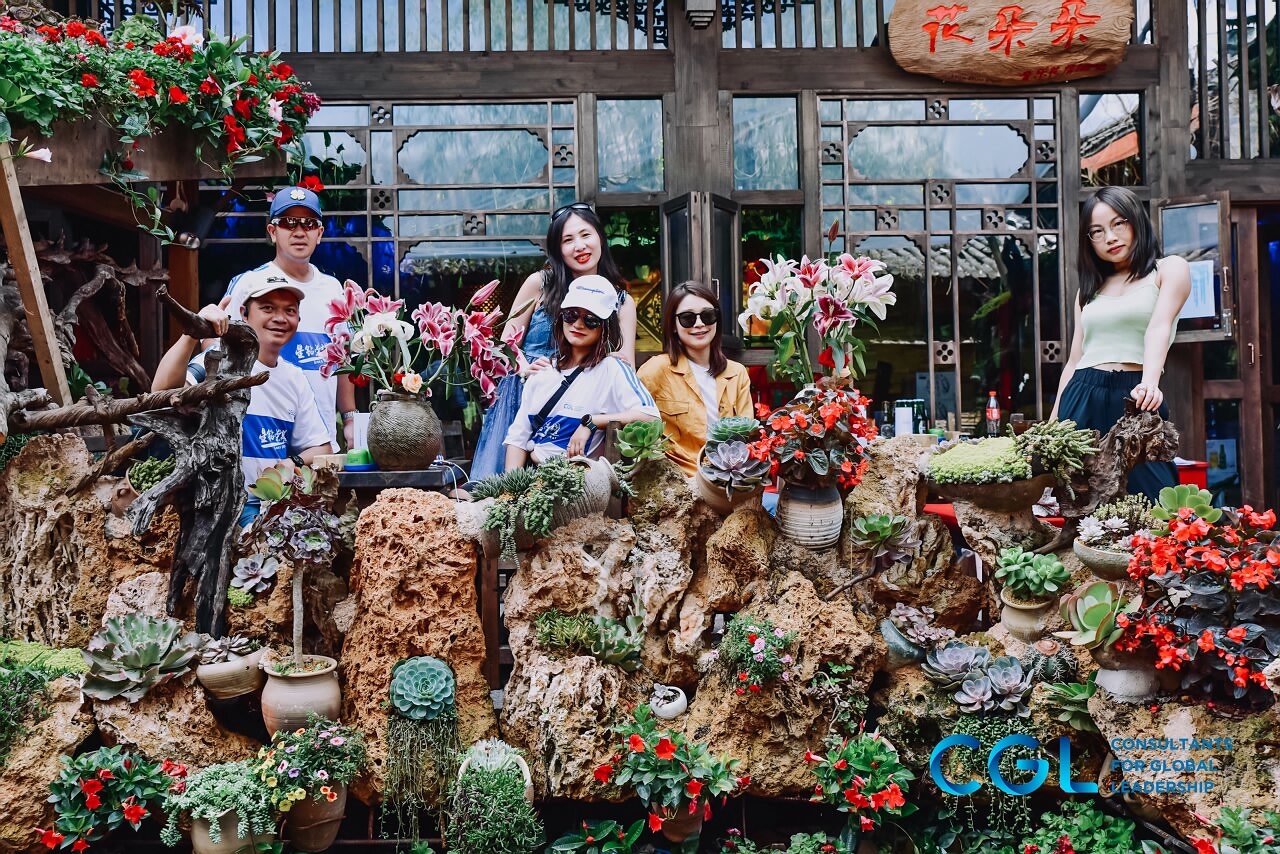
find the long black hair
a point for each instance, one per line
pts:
(557, 275)
(1144, 251)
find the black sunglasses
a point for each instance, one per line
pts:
(708, 316)
(576, 206)
(571, 316)
(293, 223)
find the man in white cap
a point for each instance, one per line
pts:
(295, 228)
(282, 422)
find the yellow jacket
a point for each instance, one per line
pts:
(676, 392)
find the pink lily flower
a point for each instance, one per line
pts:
(484, 293)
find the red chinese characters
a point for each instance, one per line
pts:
(1009, 29)
(1071, 19)
(944, 24)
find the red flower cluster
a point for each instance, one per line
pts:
(10, 25)
(142, 85)
(174, 48)
(312, 183)
(88, 81)
(818, 439)
(235, 133)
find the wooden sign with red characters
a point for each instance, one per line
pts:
(1002, 43)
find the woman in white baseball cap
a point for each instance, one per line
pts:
(565, 407)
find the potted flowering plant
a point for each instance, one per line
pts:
(374, 343)
(862, 777)
(754, 653)
(1105, 539)
(675, 778)
(239, 106)
(1210, 604)
(307, 771)
(817, 443)
(229, 808)
(96, 793)
(1097, 615)
(830, 296)
(297, 526)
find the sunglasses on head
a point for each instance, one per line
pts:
(708, 316)
(571, 316)
(293, 223)
(576, 206)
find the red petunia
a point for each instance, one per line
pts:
(91, 786)
(604, 772)
(50, 838)
(88, 81)
(142, 85)
(636, 743)
(655, 822)
(694, 788)
(312, 183)
(134, 813)
(177, 96)
(665, 749)
(895, 798)
(92, 802)
(79, 845)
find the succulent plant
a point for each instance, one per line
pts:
(1049, 661)
(886, 539)
(1057, 447)
(1092, 610)
(639, 441)
(975, 695)
(528, 498)
(1199, 501)
(994, 460)
(916, 625)
(145, 474)
(1009, 685)
(741, 428)
(1029, 576)
(492, 754)
(422, 688)
(218, 650)
(950, 665)
(1069, 702)
(556, 630)
(730, 465)
(134, 653)
(253, 574)
(620, 644)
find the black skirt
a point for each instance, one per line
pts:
(1095, 398)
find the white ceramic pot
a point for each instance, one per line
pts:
(810, 517)
(1026, 621)
(524, 772)
(668, 709)
(234, 678)
(1127, 678)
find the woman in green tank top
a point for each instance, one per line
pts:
(1125, 315)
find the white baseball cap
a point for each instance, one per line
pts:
(594, 293)
(275, 283)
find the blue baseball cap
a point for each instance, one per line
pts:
(295, 197)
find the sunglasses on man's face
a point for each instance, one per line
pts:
(293, 223)
(576, 206)
(570, 316)
(708, 316)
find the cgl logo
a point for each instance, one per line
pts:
(1039, 766)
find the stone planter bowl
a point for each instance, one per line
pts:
(1001, 497)
(1105, 563)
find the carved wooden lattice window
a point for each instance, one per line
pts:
(960, 198)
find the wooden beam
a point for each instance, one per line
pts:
(184, 282)
(22, 257)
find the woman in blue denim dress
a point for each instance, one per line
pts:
(575, 247)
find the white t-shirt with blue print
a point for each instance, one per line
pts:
(306, 348)
(611, 386)
(282, 418)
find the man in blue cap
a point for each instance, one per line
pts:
(295, 227)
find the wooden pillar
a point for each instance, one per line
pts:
(184, 281)
(697, 144)
(22, 256)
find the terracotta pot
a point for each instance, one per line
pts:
(312, 825)
(714, 495)
(1105, 563)
(1026, 621)
(404, 432)
(669, 709)
(683, 826)
(1001, 497)
(1127, 677)
(524, 772)
(234, 678)
(228, 831)
(290, 697)
(810, 517)
(901, 650)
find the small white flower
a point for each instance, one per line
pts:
(275, 110)
(43, 154)
(188, 35)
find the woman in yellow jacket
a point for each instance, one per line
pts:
(693, 383)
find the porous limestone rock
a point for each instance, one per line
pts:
(172, 721)
(57, 561)
(893, 483)
(413, 582)
(269, 618)
(988, 531)
(1246, 775)
(936, 577)
(146, 593)
(35, 759)
(917, 715)
(771, 730)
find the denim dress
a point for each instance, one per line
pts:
(491, 454)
